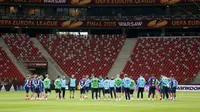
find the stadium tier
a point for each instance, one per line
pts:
(102, 18)
(8, 71)
(22, 47)
(83, 55)
(165, 56)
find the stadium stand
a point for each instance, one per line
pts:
(97, 18)
(83, 55)
(22, 47)
(8, 70)
(163, 56)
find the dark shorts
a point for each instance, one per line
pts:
(172, 90)
(63, 88)
(165, 89)
(87, 89)
(118, 89)
(152, 90)
(140, 89)
(37, 90)
(47, 90)
(122, 89)
(27, 89)
(126, 90)
(112, 89)
(106, 91)
(95, 89)
(58, 90)
(32, 89)
(101, 89)
(131, 91)
(82, 91)
(72, 88)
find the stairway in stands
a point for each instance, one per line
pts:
(83, 55)
(9, 73)
(197, 78)
(53, 68)
(17, 63)
(123, 57)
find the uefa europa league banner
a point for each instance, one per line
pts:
(100, 2)
(69, 23)
(99, 24)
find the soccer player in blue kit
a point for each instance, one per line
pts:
(141, 82)
(72, 86)
(126, 83)
(101, 80)
(106, 84)
(173, 84)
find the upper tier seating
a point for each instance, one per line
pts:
(164, 56)
(83, 55)
(8, 70)
(22, 47)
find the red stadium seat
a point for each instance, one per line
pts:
(83, 55)
(8, 70)
(163, 56)
(22, 47)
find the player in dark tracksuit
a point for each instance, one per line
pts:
(32, 87)
(41, 87)
(27, 87)
(36, 83)
(82, 84)
(153, 82)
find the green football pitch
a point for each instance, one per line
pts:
(14, 102)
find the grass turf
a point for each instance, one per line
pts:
(14, 102)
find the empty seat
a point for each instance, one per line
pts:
(22, 47)
(164, 56)
(8, 71)
(83, 55)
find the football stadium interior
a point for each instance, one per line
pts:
(102, 37)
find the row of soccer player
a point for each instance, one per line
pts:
(126, 85)
(105, 86)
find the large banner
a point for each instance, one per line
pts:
(69, 23)
(189, 88)
(100, 2)
(99, 24)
